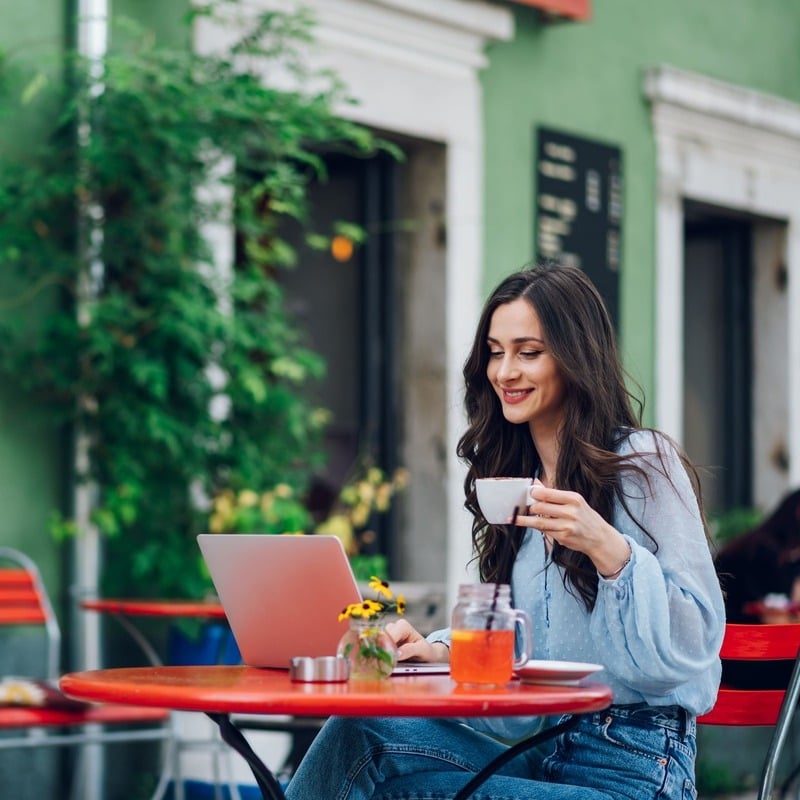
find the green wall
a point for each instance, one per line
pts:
(31, 469)
(165, 19)
(586, 79)
(32, 29)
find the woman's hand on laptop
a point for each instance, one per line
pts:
(413, 646)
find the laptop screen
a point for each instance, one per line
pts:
(282, 594)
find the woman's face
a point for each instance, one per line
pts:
(522, 370)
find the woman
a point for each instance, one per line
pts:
(610, 559)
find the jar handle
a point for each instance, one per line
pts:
(523, 622)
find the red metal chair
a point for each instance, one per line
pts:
(24, 603)
(760, 707)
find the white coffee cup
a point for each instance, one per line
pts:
(498, 497)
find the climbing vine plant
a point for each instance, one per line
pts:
(184, 375)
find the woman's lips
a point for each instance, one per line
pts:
(515, 396)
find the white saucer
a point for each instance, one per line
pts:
(556, 671)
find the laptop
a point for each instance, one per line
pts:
(282, 595)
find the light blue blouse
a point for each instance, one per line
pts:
(657, 628)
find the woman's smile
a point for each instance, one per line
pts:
(513, 396)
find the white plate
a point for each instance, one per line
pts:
(556, 671)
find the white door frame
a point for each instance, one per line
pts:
(734, 148)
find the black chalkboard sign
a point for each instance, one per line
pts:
(579, 208)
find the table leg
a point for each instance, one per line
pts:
(270, 788)
(513, 751)
(139, 638)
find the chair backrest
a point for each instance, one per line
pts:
(752, 643)
(769, 644)
(24, 602)
(760, 642)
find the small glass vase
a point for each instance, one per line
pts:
(369, 649)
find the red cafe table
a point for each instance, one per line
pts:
(219, 691)
(122, 610)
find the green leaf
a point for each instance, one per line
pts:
(318, 242)
(34, 87)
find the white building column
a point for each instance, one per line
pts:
(92, 37)
(793, 436)
(669, 297)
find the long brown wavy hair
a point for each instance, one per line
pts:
(599, 412)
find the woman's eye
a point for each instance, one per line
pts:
(495, 354)
(530, 353)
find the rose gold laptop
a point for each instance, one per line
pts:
(282, 595)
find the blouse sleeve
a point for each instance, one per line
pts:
(662, 620)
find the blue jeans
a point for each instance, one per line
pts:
(625, 752)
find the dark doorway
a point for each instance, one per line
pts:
(348, 305)
(718, 346)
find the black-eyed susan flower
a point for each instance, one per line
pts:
(368, 609)
(380, 587)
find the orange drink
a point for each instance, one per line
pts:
(482, 657)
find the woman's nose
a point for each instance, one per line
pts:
(507, 369)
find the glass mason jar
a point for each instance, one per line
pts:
(369, 649)
(483, 629)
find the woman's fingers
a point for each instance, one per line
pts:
(419, 650)
(402, 631)
(411, 644)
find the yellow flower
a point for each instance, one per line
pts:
(339, 525)
(349, 495)
(223, 502)
(383, 497)
(359, 515)
(374, 475)
(320, 417)
(368, 608)
(281, 509)
(216, 523)
(365, 609)
(401, 478)
(366, 491)
(248, 498)
(381, 588)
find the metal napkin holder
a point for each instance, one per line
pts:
(319, 669)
